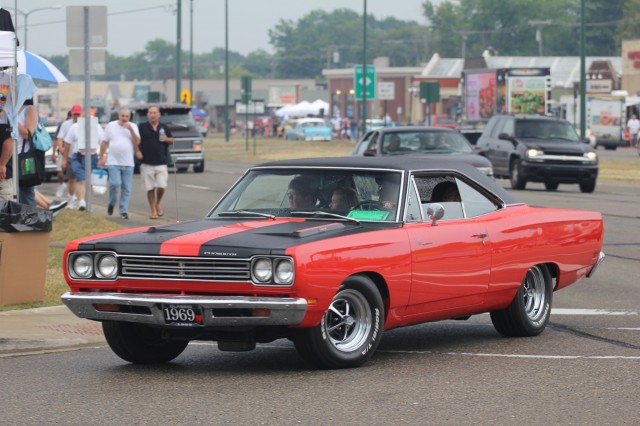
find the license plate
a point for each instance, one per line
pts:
(184, 315)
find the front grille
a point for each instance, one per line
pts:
(182, 145)
(185, 268)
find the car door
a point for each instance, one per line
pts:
(451, 260)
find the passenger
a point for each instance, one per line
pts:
(343, 199)
(394, 144)
(302, 193)
(445, 192)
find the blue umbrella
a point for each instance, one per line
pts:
(38, 67)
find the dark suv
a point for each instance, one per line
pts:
(535, 148)
(188, 148)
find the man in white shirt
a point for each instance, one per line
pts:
(121, 140)
(75, 147)
(633, 125)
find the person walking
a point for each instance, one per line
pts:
(155, 138)
(122, 140)
(74, 113)
(633, 125)
(6, 154)
(76, 147)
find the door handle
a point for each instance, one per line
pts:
(482, 235)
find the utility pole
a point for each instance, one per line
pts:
(539, 26)
(583, 72)
(364, 70)
(191, 49)
(178, 52)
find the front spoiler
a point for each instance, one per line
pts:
(147, 308)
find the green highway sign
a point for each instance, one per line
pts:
(370, 82)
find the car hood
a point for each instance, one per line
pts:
(233, 238)
(556, 146)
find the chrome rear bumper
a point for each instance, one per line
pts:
(598, 262)
(217, 311)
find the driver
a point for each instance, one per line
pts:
(302, 193)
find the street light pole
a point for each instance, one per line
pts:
(191, 49)
(226, 70)
(179, 53)
(26, 18)
(364, 69)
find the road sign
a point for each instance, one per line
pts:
(97, 26)
(370, 82)
(185, 96)
(386, 90)
(97, 61)
(429, 91)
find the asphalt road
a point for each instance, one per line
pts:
(584, 369)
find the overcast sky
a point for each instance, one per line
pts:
(132, 23)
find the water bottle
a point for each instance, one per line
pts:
(161, 134)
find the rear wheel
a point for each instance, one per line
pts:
(350, 330)
(140, 344)
(529, 311)
(517, 182)
(588, 186)
(551, 186)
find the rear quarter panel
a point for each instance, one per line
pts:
(523, 236)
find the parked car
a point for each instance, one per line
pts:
(423, 141)
(309, 129)
(279, 257)
(188, 147)
(536, 148)
(201, 117)
(378, 123)
(441, 120)
(50, 168)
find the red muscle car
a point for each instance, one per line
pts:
(330, 253)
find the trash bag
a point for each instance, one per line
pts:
(16, 217)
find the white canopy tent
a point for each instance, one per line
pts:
(303, 109)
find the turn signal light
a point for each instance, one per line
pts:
(104, 307)
(260, 312)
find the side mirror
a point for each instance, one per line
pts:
(505, 136)
(435, 212)
(370, 153)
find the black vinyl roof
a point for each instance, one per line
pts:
(401, 163)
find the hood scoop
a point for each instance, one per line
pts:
(316, 230)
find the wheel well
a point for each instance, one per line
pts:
(554, 271)
(512, 159)
(381, 285)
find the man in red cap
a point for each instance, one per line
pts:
(75, 112)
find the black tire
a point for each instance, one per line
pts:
(551, 186)
(588, 186)
(529, 311)
(140, 344)
(517, 182)
(199, 168)
(350, 330)
(182, 169)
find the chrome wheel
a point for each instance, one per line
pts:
(348, 321)
(534, 294)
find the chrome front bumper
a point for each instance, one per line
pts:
(217, 311)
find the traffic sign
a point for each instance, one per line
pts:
(387, 90)
(185, 96)
(369, 83)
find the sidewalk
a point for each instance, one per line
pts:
(54, 328)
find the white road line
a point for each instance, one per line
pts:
(202, 188)
(569, 357)
(566, 311)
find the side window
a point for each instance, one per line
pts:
(474, 202)
(373, 142)
(497, 128)
(508, 127)
(459, 199)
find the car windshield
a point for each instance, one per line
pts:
(179, 117)
(357, 195)
(546, 130)
(318, 123)
(425, 142)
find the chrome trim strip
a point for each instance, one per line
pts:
(598, 262)
(284, 311)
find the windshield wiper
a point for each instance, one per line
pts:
(565, 139)
(323, 213)
(246, 212)
(175, 123)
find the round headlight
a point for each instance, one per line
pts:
(284, 272)
(82, 266)
(107, 266)
(263, 270)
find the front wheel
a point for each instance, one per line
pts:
(588, 186)
(199, 168)
(349, 331)
(517, 182)
(529, 311)
(140, 344)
